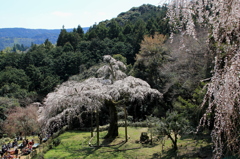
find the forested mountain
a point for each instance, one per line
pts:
(11, 36)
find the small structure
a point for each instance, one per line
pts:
(144, 139)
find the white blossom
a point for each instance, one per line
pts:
(222, 17)
(70, 97)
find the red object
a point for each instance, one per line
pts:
(12, 152)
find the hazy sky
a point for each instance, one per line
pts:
(53, 14)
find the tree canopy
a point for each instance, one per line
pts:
(72, 98)
(22, 121)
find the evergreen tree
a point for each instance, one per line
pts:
(80, 31)
(73, 38)
(101, 31)
(138, 32)
(36, 77)
(114, 29)
(48, 45)
(62, 37)
(67, 47)
(128, 28)
(151, 27)
(74, 30)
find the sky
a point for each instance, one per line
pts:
(53, 14)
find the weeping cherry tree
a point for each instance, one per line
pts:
(72, 98)
(222, 18)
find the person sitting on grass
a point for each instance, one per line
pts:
(15, 143)
(16, 152)
(30, 144)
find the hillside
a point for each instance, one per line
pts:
(11, 36)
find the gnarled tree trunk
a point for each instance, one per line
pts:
(113, 128)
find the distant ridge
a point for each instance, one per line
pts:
(11, 36)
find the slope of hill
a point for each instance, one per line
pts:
(11, 36)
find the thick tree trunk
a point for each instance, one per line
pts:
(113, 128)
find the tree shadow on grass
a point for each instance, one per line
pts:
(150, 145)
(85, 151)
(203, 152)
(200, 136)
(108, 142)
(165, 154)
(75, 150)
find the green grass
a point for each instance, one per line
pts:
(74, 145)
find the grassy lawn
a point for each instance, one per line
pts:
(74, 145)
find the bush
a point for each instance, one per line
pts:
(50, 147)
(59, 132)
(56, 142)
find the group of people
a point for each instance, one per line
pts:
(10, 145)
(6, 151)
(10, 150)
(27, 143)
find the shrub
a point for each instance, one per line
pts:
(56, 142)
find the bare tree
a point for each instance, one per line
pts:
(110, 89)
(21, 121)
(222, 17)
(188, 60)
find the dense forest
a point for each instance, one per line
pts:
(177, 66)
(42, 67)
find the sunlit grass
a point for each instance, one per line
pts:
(74, 145)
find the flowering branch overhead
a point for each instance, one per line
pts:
(222, 17)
